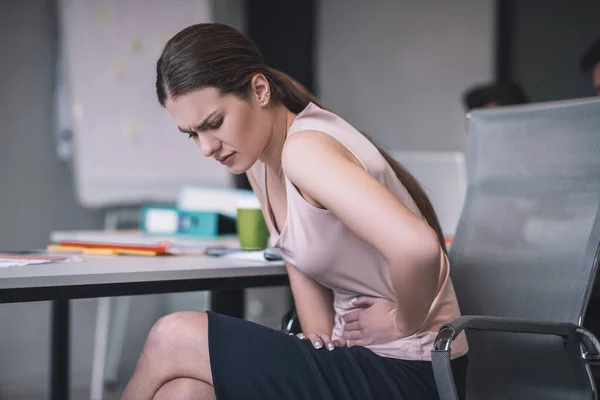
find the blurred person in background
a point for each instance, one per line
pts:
(490, 95)
(590, 61)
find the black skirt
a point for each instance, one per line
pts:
(252, 362)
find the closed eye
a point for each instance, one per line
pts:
(204, 127)
(215, 125)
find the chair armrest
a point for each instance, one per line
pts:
(440, 355)
(290, 323)
(449, 331)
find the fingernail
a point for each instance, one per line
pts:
(330, 346)
(353, 300)
(291, 334)
(301, 336)
(317, 345)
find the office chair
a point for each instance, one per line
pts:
(525, 254)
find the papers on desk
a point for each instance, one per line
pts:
(256, 256)
(236, 253)
(5, 262)
(132, 243)
(21, 260)
(136, 237)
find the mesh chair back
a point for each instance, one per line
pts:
(527, 244)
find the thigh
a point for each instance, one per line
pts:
(252, 362)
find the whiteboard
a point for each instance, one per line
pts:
(126, 147)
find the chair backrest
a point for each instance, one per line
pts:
(443, 176)
(527, 243)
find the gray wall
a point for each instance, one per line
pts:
(36, 189)
(549, 38)
(397, 69)
(36, 194)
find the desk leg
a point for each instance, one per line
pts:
(59, 357)
(228, 302)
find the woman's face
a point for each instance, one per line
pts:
(231, 130)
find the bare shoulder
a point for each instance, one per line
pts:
(308, 160)
(314, 149)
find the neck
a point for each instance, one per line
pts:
(272, 154)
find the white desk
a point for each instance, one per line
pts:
(119, 276)
(123, 275)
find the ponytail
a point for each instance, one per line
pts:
(289, 92)
(295, 97)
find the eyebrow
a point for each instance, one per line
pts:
(199, 126)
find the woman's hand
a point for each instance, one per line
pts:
(373, 323)
(320, 340)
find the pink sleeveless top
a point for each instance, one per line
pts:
(317, 243)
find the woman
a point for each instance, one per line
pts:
(363, 247)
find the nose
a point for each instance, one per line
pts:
(208, 145)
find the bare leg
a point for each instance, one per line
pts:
(177, 347)
(185, 389)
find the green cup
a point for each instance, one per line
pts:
(251, 227)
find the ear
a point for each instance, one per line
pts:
(261, 91)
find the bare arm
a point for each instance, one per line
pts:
(314, 302)
(374, 214)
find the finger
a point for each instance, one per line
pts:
(352, 343)
(327, 341)
(352, 316)
(302, 336)
(352, 326)
(340, 342)
(363, 301)
(315, 340)
(352, 335)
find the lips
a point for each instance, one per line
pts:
(226, 159)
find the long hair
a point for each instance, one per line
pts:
(218, 56)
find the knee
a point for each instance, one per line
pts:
(169, 328)
(184, 388)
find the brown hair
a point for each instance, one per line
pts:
(216, 55)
